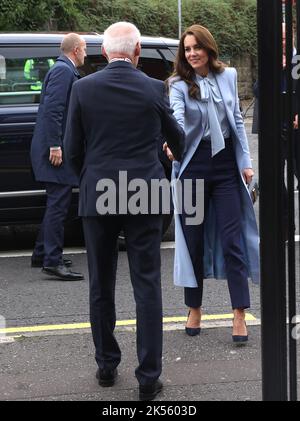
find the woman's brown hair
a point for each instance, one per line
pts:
(184, 70)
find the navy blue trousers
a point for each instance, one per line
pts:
(50, 240)
(143, 237)
(221, 186)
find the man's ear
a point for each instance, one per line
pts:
(137, 51)
(103, 52)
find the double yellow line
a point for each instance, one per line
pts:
(123, 323)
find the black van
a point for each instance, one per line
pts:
(24, 60)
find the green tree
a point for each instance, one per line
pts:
(26, 15)
(232, 22)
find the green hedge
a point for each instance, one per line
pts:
(232, 22)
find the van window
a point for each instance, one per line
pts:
(21, 83)
(2, 68)
(157, 63)
(22, 70)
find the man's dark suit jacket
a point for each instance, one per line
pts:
(51, 122)
(116, 120)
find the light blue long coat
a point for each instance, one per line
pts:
(189, 114)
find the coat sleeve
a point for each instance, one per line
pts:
(241, 127)
(74, 140)
(56, 104)
(177, 103)
(172, 131)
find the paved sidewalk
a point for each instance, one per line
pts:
(61, 367)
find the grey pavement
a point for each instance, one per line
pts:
(59, 365)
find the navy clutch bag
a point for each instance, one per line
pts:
(253, 190)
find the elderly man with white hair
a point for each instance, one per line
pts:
(116, 120)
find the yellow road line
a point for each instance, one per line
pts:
(76, 326)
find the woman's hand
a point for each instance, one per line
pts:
(248, 173)
(168, 152)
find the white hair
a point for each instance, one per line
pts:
(121, 37)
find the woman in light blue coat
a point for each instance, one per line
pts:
(203, 94)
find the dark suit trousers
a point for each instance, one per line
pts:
(221, 186)
(143, 237)
(50, 240)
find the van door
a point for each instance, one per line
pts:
(22, 71)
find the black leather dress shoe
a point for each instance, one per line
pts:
(38, 263)
(63, 273)
(106, 378)
(149, 391)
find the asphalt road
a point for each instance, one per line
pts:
(29, 297)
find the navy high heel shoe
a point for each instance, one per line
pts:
(192, 331)
(240, 339)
